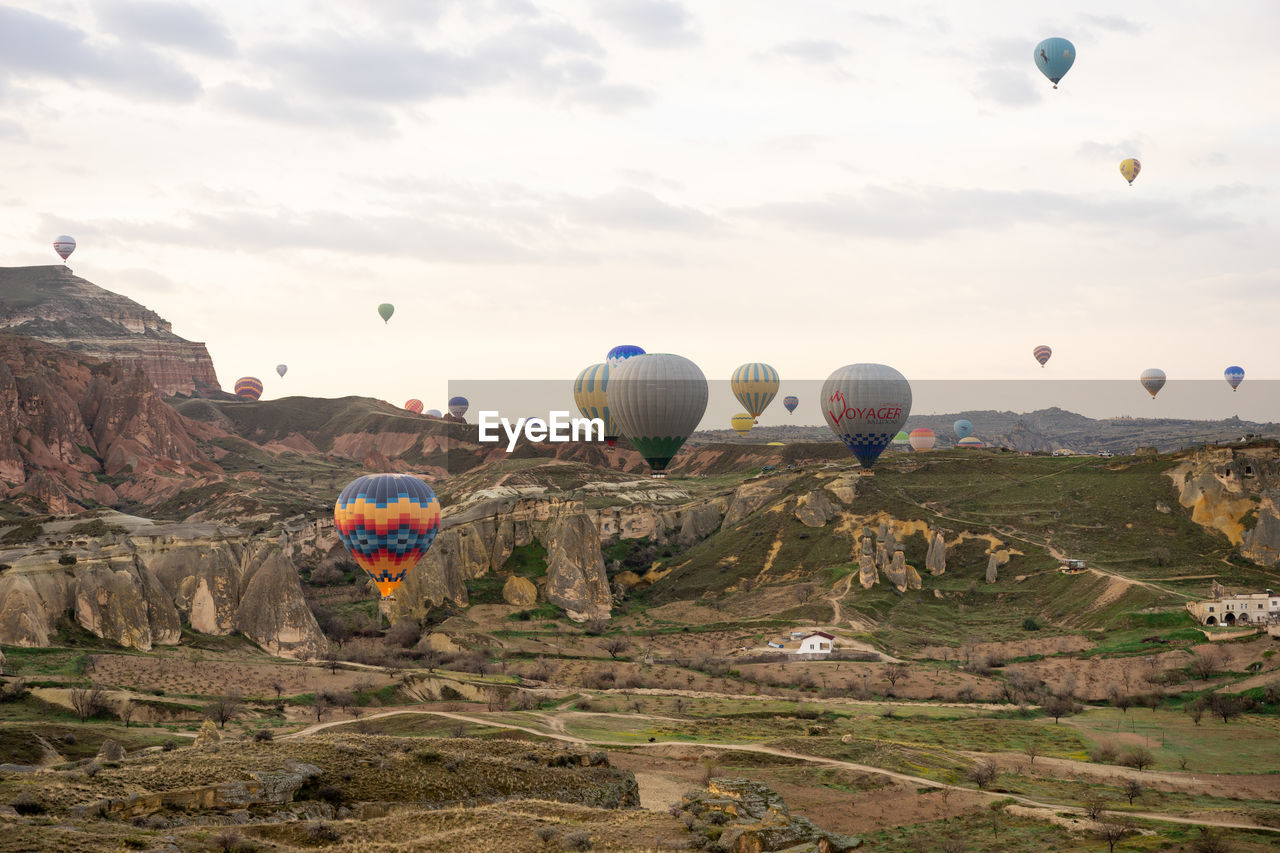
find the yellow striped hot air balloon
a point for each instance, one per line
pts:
(589, 396)
(755, 385)
(1130, 169)
(741, 423)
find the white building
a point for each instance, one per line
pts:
(817, 643)
(1250, 608)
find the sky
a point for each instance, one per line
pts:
(808, 184)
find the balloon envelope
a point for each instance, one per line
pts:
(790, 403)
(657, 401)
(433, 413)
(755, 385)
(902, 438)
(64, 246)
(1042, 354)
(865, 405)
(621, 353)
(413, 404)
(387, 522)
(1234, 376)
(1130, 169)
(249, 387)
(922, 439)
(963, 428)
(385, 310)
(282, 369)
(458, 406)
(1153, 380)
(1054, 57)
(742, 423)
(590, 396)
(971, 441)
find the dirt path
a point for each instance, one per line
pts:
(918, 781)
(836, 594)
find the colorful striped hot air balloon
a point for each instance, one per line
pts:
(589, 396)
(791, 402)
(971, 441)
(413, 404)
(755, 385)
(922, 439)
(1054, 57)
(1153, 380)
(1234, 376)
(387, 522)
(963, 428)
(865, 405)
(458, 406)
(741, 423)
(621, 353)
(1130, 169)
(64, 246)
(1042, 354)
(658, 401)
(249, 387)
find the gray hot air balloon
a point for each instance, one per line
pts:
(657, 400)
(1153, 380)
(865, 405)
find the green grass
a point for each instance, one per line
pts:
(527, 561)
(1248, 744)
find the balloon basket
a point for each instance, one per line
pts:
(659, 475)
(866, 472)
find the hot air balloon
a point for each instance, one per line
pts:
(963, 428)
(901, 439)
(1054, 57)
(387, 522)
(971, 441)
(741, 423)
(413, 404)
(282, 369)
(922, 439)
(1234, 376)
(1130, 169)
(791, 402)
(433, 413)
(385, 310)
(64, 246)
(589, 396)
(755, 385)
(621, 353)
(657, 400)
(1042, 354)
(865, 405)
(1153, 380)
(249, 387)
(458, 406)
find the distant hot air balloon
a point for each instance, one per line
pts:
(621, 353)
(901, 439)
(922, 439)
(1234, 376)
(755, 385)
(413, 404)
(657, 401)
(433, 413)
(249, 387)
(963, 428)
(791, 402)
(589, 396)
(1153, 380)
(458, 406)
(387, 522)
(971, 441)
(1042, 354)
(385, 310)
(282, 369)
(1130, 169)
(865, 405)
(742, 423)
(1054, 57)
(64, 246)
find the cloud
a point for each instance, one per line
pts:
(813, 51)
(638, 210)
(12, 130)
(652, 23)
(900, 214)
(1117, 151)
(167, 24)
(1114, 23)
(33, 46)
(1006, 88)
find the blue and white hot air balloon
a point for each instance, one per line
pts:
(1054, 57)
(865, 405)
(1234, 376)
(621, 353)
(963, 429)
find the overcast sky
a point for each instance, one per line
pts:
(809, 184)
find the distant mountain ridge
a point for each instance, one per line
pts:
(51, 304)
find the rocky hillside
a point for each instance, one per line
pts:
(50, 304)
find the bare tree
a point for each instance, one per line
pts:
(1058, 707)
(1112, 831)
(1031, 749)
(615, 646)
(1207, 663)
(278, 688)
(1137, 757)
(983, 773)
(88, 701)
(1133, 789)
(321, 708)
(126, 711)
(1094, 807)
(223, 709)
(895, 672)
(1196, 711)
(1120, 700)
(1226, 707)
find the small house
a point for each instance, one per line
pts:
(817, 643)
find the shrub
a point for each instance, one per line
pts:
(169, 746)
(546, 833)
(1030, 624)
(231, 841)
(1103, 753)
(1137, 757)
(577, 841)
(330, 794)
(322, 833)
(983, 773)
(263, 734)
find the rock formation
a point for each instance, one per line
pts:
(814, 509)
(576, 579)
(1225, 487)
(898, 573)
(273, 613)
(866, 561)
(519, 592)
(52, 305)
(936, 558)
(994, 561)
(756, 819)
